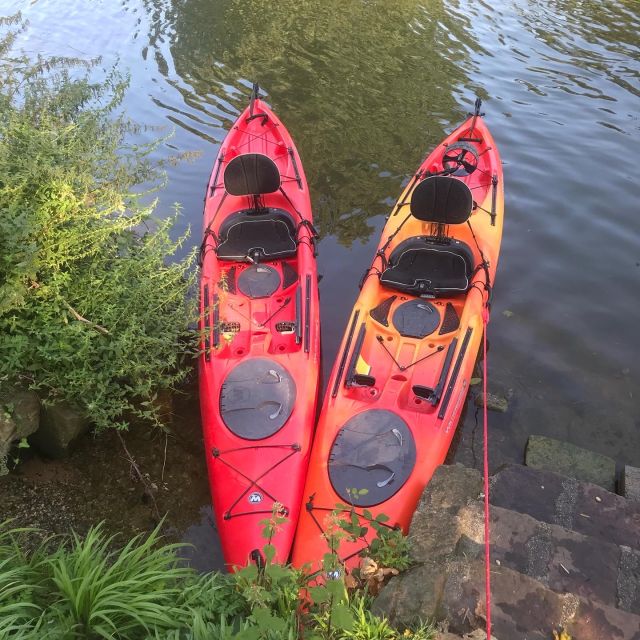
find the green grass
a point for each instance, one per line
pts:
(86, 588)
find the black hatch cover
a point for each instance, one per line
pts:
(374, 450)
(259, 281)
(257, 398)
(416, 319)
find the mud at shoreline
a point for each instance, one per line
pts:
(97, 483)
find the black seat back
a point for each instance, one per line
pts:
(441, 200)
(251, 174)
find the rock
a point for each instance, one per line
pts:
(631, 483)
(412, 596)
(60, 426)
(570, 460)
(563, 560)
(478, 634)
(494, 402)
(629, 580)
(433, 533)
(19, 414)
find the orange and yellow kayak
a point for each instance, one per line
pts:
(402, 374)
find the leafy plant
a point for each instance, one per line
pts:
(82, 588)
(94, 303)
(20, 582)
(100, 593)
(366, 625)
(390, 547)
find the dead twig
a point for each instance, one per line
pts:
(80, 318)
(135, 469)
(164, 459)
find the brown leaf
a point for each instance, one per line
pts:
(350, 582)
(368, 567)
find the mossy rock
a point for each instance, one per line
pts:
(569, 460)
(19, 414)
(61, 425)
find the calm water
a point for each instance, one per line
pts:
(367, 88)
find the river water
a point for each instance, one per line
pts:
(367, 88)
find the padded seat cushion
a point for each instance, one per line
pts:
(420, 265)
(268, 235)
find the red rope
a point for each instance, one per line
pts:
(487, 568)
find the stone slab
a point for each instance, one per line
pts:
(412, 596)
(569, 460)
(629, 580)
(433, 532)
(563, 560)
(524, 608)
(631, 483)
(582, 507)
(495, 402)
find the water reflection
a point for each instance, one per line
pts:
(589, 40)
(364, 87)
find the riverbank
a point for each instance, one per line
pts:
(98, 483)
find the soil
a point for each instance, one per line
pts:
(98, 483)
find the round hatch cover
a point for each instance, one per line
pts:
(416, 319)
(257, 398)
(259, 281)
(374, 450)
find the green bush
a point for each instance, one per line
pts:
(94, 304)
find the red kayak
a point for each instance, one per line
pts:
(259, 367)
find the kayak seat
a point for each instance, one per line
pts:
(434, 264)
(251, 174)
(426, 265)
(249, 235)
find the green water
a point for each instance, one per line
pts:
(367, 88)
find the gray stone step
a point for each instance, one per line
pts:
(631, 483)
(561, 559)
(584, 577)
(433, 532)
(555, 499)
(524, 608)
